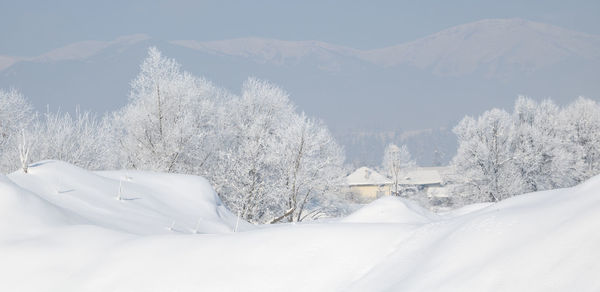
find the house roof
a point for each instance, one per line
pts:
(366, 176)
(422, 176)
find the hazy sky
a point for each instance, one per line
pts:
(32, 27)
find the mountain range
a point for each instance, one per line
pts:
(414, 91)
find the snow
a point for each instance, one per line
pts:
(63, 229)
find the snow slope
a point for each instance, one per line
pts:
(545, 241)
(62, 229)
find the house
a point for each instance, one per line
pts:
(430, 180)
(368, 184)
(421, 177)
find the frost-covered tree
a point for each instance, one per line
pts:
(82, 140)
(542, 147)
(254, 143)
(266, 162)
(312, 166)
(168, 123)
(581, 129)
(16, 115)
(396, 160)
(539, 152)
(274, 164)
(484, 160)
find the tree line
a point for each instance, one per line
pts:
(268, 162)
(539, 146)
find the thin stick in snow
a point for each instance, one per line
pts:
(237, 223)
(120, 194)
(197, 226)
(120, 190)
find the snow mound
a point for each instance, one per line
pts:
(391, 210)
(149, 203)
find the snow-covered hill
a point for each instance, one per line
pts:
(63, 229)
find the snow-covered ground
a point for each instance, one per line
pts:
(63, 228)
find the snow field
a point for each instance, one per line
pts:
(63, 229)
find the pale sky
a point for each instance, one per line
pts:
(29, 28)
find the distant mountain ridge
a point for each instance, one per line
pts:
(75, 51)
(453, 51)
(269, 50)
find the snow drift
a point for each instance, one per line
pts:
(63, 229)
(130, 201)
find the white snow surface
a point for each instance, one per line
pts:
(62, 229)
(391, 210)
